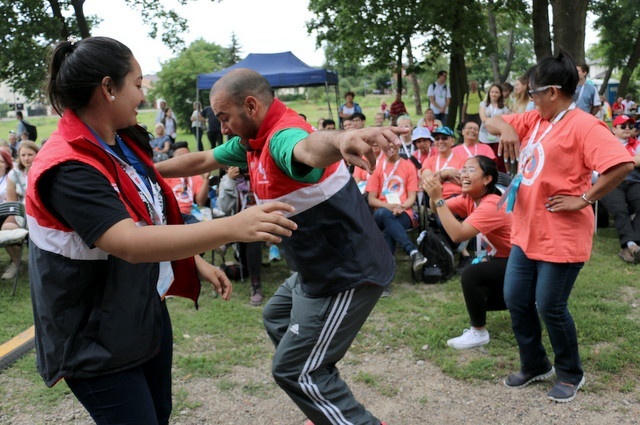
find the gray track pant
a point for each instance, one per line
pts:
(311, 335)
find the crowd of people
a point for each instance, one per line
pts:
(104, 200)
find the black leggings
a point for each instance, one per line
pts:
(482, 287)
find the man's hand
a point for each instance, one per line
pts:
(356, 145)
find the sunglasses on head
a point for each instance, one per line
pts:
(626, 126)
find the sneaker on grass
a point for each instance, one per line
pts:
(470, 338)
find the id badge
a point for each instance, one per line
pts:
(392, 198)
(165, 278)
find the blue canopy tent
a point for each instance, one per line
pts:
(281, 70)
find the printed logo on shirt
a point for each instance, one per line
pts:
(295, 328)
(395, 184)
(533, 166)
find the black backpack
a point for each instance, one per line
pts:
(439, 267)
(32, 131)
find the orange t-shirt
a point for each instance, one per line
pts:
(493, 224)
(185, 190)
(402, 180)
(436, 163)
(561, 164)
(477, 149)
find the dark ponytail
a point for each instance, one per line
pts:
(77, 68)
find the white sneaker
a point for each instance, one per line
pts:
(10, 272)
(470, 338)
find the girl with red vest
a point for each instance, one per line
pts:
(105, 246)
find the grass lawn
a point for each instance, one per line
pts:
(209, 341)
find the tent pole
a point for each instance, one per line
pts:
(326, 93)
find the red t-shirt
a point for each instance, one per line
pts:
(185, 189)
(477, 149)
(560, 164)
(454, 161)
(493, 224)
(398, 177)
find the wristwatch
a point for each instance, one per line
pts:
(439, 203)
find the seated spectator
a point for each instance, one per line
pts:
(378, 119)
(17, 180)
(623, 202)
(406, 148)
(482, 281)
(617, 108)
(429, 120)
(161, 144)
(358, 119)
(235, 194)
(328, 124)
(189, 190)
(392, 191)
(446, 164)
(347, 124)
(629, 105)
(422, 140)
(320, 125)
(470, 146)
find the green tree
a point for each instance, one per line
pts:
(29, 27)
(619, 44)
(177, 79)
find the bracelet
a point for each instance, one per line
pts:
(585, 199)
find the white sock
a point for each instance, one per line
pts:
(412, 253)
(631, 243)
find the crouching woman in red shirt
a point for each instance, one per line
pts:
(482, 281)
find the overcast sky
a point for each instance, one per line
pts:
(260, 26)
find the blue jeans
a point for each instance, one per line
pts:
(394, 228)
(530, 283)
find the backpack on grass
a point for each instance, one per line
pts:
(439, 267)
(32, 131)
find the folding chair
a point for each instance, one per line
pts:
(14, 237)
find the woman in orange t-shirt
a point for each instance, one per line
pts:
(481, 281)
(553, 220)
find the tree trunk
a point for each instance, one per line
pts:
(569, 22)
(457, 70)
(57, 13)
(630, 67)
(510, 55)
(605, 80)
(493, 42)
(83, 26)
(541, 33)
(414, 82)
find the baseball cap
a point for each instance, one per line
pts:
(421, 133)
(443, 130)
(621, 119)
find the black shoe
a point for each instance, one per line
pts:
(520, 380)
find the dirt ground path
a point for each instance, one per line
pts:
(405, 392)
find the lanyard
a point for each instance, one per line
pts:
(509, 195)
(387, 176)
(407, 151)
(527, 152)
(136, 173)
(475, 150)
(438, 168)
